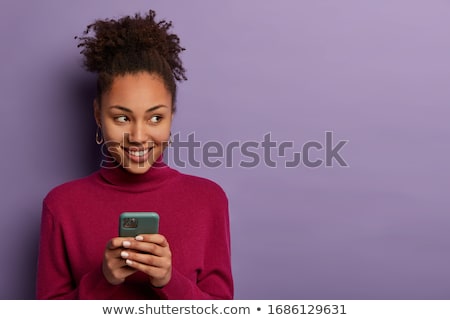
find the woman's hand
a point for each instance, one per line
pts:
(149, 253)
(114, 266)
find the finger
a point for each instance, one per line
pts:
(147, 259)
(150, 243)
(116, 243)
(113, 259)
(123, 270)
(159, 277)
(148, 248)
(152, 271)
(158, 239)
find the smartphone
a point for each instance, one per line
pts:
(133, 223)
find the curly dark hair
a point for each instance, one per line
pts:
(132, 44)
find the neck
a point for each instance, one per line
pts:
(119, 177)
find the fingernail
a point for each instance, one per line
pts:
(129, 262)
(124, 254)
(126, 244)
(140, 238)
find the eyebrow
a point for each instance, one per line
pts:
(131, 111)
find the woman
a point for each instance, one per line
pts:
(81, 256)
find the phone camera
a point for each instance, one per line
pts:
(130, 223)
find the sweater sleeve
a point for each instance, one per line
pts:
(54, 279)
(215, 280)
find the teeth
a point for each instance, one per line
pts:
(138, 153)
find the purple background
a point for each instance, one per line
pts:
(375, 73)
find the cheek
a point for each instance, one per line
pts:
(111, 133)
(161, 136)
(161, 133)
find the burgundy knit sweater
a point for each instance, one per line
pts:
(81, 216)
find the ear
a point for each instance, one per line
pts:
(97, 113)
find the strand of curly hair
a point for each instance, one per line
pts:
(105, 40)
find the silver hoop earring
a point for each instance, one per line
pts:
(170, 139)
(98, 136)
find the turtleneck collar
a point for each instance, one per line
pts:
(118, 177)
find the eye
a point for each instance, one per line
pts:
(155, 119)
(121, 119)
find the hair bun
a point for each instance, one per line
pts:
(105, 40)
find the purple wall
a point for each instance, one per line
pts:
(375, 73)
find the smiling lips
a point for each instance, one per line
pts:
(137, 154)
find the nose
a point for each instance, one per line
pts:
(137, 134)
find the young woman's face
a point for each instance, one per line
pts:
(135, 117)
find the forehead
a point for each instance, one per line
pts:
(137, 90)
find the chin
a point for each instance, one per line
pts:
(137, 167)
